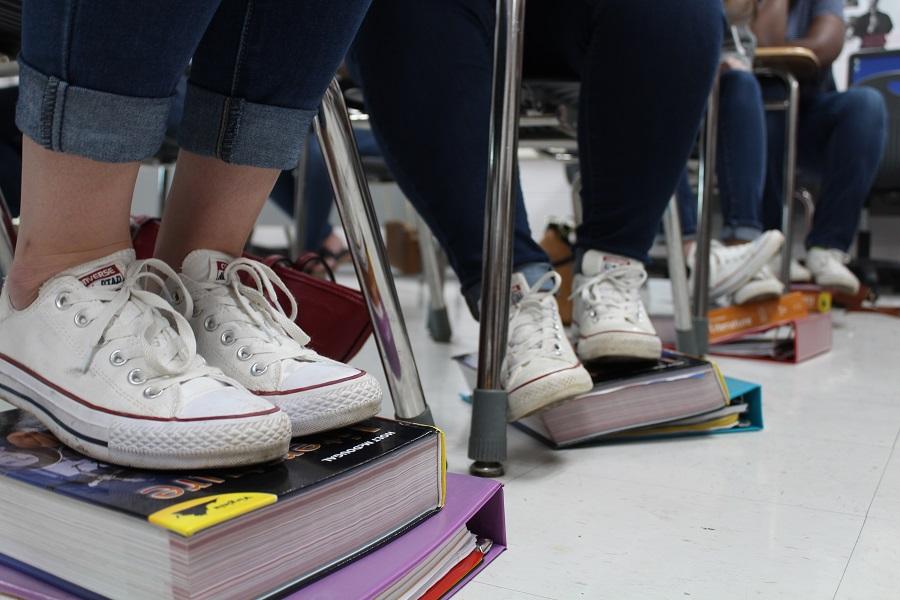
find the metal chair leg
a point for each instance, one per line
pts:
(162, 186)
(354, 203)
(438, 321)
(487, 439)
(7, 239)
(297, 241)
(685, 338)
(790, 168)
(704, 210)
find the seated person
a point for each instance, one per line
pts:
(840, 136)
(425, 67)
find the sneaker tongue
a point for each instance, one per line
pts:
(518, 288)
(108, 272)
(594, 262)
(206, 265)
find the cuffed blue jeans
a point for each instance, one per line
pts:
(97, 77)
(425, 67)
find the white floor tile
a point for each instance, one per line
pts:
(575, 535)
(872, 573)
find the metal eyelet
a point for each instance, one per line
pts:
(62, 301)
(227, 337)
(258, 369)
(81, 320)
(152, 392)
(176, 297)
(210, 324)
(136, 377)
(116, 359)
(243, 353)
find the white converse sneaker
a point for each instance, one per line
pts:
(112, 371)
(245, 332)
(609, 320)
(762, 286)
(730, 267)
(799, 273)
(540, 368)
(828, 270)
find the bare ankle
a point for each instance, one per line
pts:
(30, 271)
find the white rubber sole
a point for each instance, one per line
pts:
(838, 285)
(330, 407)
(544, 392)
(143, 443)
(769, 244)
(757, 291)
(619, 345)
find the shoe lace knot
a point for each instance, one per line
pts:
(613, 292)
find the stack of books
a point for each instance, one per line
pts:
(675, 396)
(74, 527)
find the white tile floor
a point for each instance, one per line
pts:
(807, 508)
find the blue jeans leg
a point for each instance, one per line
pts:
(425, 68)
(840, 138)
(741, 155)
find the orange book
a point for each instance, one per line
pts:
(734, 321)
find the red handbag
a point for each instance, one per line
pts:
(334, 316)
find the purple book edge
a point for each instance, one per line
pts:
(470, 500)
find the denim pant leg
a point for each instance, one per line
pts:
(840, 138)
(639, 113)
(425, 67)
(741, 155)
(259, 74)
(97, 78)
(848, 131)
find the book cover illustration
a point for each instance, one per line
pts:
(187, 502)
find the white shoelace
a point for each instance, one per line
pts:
(532, 328)
(255, 313)
(167, 343)
(614, 292)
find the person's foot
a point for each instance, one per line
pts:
(762, 286)
(540, 368)
(609, 320)
(245, 332)
(112, 371)
(730, 267)
(799, 273)
(828, 270)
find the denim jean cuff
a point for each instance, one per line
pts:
(241, 132)
(97, 125)
(741, 233)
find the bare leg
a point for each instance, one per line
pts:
(74, 210)
(213, 205)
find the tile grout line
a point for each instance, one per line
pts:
(866, 517)
(500, 587)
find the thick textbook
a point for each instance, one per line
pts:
(473, 503)
(124, 533)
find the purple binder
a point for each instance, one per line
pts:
(476, 502)
(471, 500)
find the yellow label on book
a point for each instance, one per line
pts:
(187, 518)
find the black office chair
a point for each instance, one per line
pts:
(880, 70)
